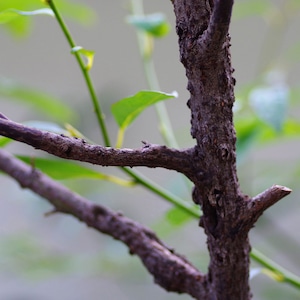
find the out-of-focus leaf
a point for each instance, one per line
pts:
(177, 216)
(21, 25)
(154, 24)
(46, 126)
(248, 130)
(41, 125)
(273, 274)
(4, 141)
(247, 8)
(126, 110)
(10, 14)
(88, 54)
(270, 102)
(40, 101)
(25, 255)
(79, 12)
(291, 128)
(60, 169)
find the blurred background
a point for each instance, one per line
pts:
(57, 257)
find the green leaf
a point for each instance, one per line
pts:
(60, 169)
(177, 216)
(154, 24)
(78, 12)
(20, 26)
(126, 110)
(40, 101)
(88, 54)
(4, 141)
(10, 14)
(248, 131)
(270, 103)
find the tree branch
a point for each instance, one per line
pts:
(215, 35)
(77, 149)
(170, 270)
(258, 204)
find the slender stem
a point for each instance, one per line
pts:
(184, 205)
(97, 107)
(152, 81)
(285, 275)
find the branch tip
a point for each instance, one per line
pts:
(267, 198)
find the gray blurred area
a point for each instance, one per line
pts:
(56, 257)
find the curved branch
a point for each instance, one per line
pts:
(77, 149)
(170, 270)
(258, 204)
(214, 37)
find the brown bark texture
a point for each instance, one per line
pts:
(228, 215)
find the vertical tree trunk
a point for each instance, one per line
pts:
(204, 52)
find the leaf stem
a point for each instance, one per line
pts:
(286, 275)
(133, 174)
(191, 209)
(85, 72)
(152, 81)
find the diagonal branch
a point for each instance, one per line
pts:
(170, 270)
(258, 204)
(77, 149)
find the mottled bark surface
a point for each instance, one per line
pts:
(204, 51)
(228, 215)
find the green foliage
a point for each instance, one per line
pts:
(38, 100)
(14, 13)
(88, 54)
(154, 24)
(126, 110)
(61, 169)
(26, 256)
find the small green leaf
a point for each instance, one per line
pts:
(154, 24)
(7, 16)
(88, 54)
(21, 26)
(177, 216)
(270, 102)
(10, 14)
(40, 101)
(126, 110)
(60, 169)
(248, 131)
(4, 141)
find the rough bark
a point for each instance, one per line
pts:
(228, 214)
